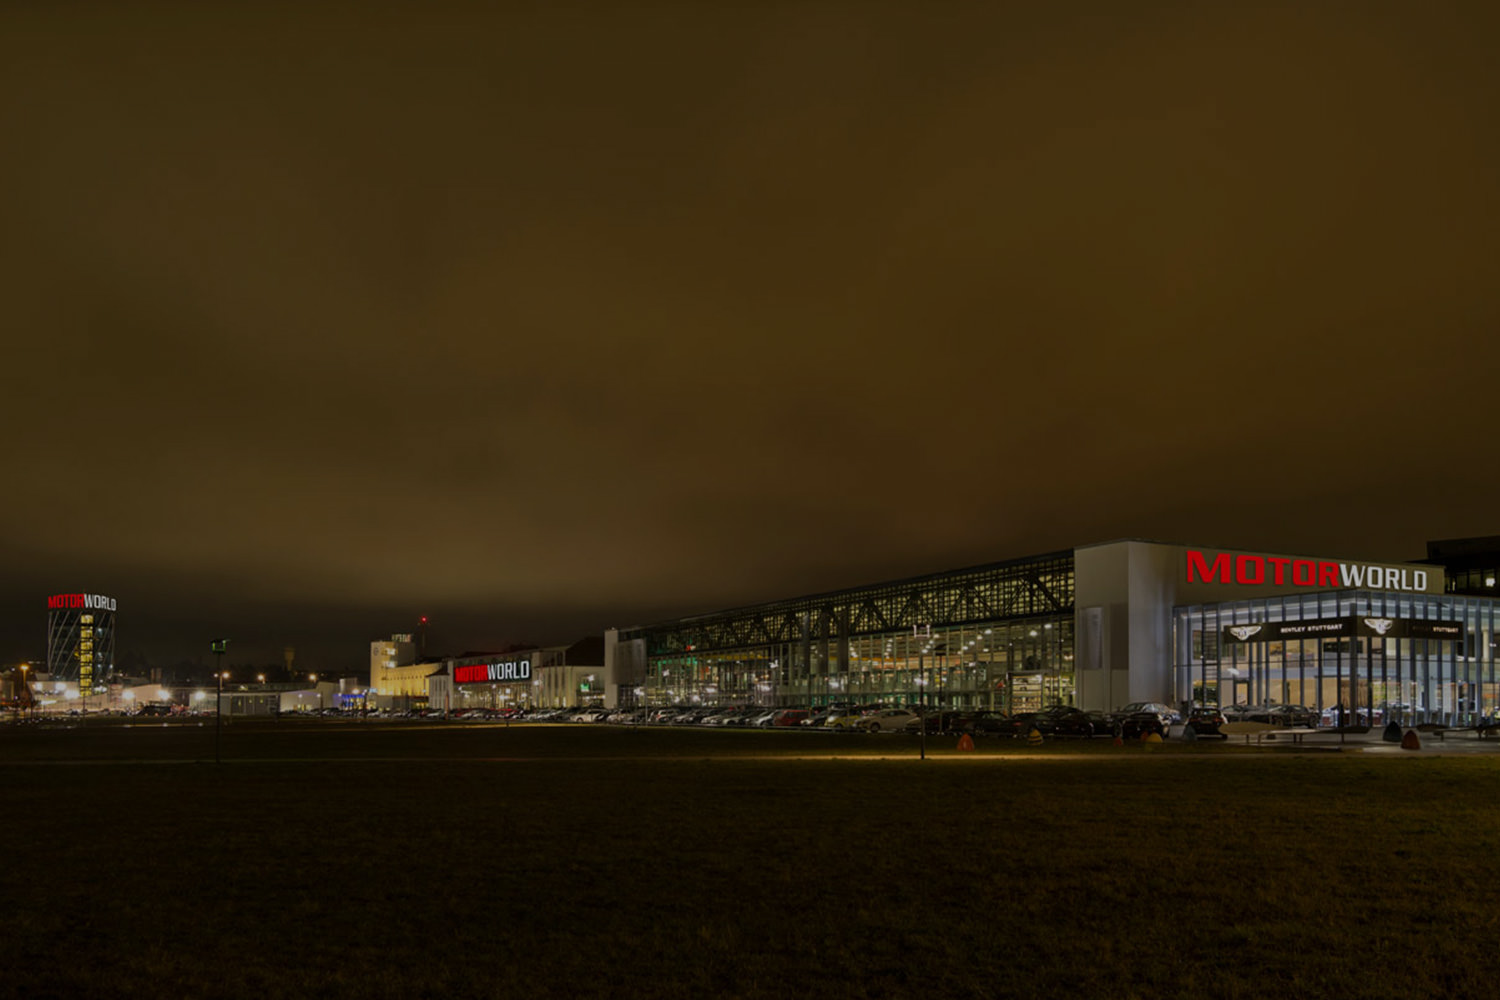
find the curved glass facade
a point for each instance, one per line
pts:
(1357, 657)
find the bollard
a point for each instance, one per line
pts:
(1410, 741)
(966, 742)
(1034, 737)
(1150, 738)
(1392, 732)
(1189, 734)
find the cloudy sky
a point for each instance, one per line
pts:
(555, 317)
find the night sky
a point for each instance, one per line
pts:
(572, 316)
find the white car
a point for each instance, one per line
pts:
(888, 720)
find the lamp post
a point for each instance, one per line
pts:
(919, 632)
(314, 679)
(219, 648)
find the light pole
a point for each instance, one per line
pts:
(922, 680)
(314, 679)
(219, 647)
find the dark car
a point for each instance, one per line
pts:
(992, 724)
(1138, 724)
(1162, 712)
(940, 722)
(1296, 716)
(1205, 720)
(1063, 720)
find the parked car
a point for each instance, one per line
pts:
(790, 717)
(1282, 715)
(1064, 720)
(1138, 724)
(1205, 720)
(1299, 716)
(1162, 712)
(889, 720)
(992, 724)
(848, 722)
(947, 721)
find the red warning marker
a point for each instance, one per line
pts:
(966, 742)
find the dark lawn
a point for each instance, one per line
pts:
(1089, 870)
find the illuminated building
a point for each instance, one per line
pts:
(81, 640)
(547, 677)
(1100, 626)
(395, 672)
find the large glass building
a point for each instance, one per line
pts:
(988, 637)
(1097, 626)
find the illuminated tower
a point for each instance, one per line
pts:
(81, 638)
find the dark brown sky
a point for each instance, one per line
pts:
(547, 320)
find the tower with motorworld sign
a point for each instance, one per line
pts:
(81, 639)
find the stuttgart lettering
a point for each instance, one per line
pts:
(488, 673)
(1282, 571)
(94, 602)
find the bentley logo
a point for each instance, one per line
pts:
(1380, 625)
(1244, 632)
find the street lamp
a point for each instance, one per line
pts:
(219, 647)
(922, 680)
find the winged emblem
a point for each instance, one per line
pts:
(1244, 632)
(1380, 625)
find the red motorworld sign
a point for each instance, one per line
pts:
(490, 673)
(93, 602)
(1247, 570)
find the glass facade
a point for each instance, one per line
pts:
(1433, 663)
(1474, 581)
(998, 636)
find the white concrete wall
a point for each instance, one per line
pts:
(1124, 595)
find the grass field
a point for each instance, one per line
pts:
(340, 860)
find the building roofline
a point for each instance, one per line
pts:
(902, 582)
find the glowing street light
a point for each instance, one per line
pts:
(219, 647)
